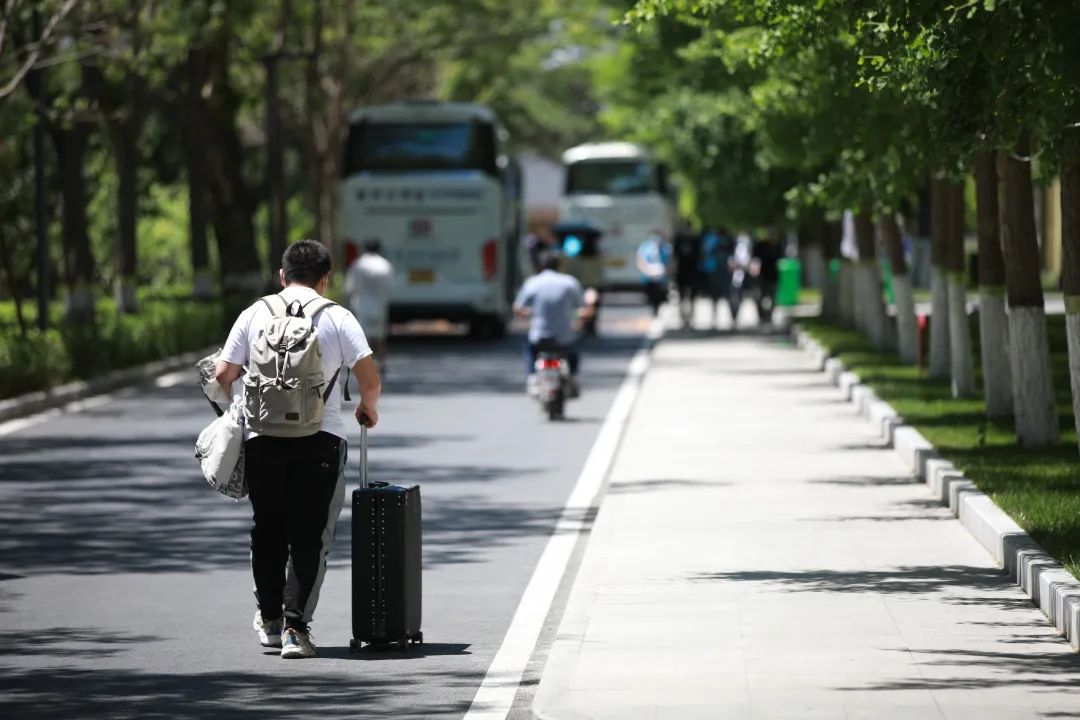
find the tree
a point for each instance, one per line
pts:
(906, 325)
(961, 365)
(993, 319)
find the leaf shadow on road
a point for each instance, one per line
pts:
(48, 693)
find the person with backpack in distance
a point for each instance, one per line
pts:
(367, 285)
(293, 346)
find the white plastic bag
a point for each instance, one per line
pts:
(220, 452)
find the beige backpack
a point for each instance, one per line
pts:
(284, 388)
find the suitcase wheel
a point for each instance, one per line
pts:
(403, 645)
(353, 645)
(419, 639)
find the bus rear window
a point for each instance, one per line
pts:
(385, 146)
(610, 177)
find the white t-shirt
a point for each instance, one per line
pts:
(341, 342)
(368, 284)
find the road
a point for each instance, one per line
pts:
(125, 585)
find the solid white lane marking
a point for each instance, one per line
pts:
(175, 378)
(89, 403)
(496, 693)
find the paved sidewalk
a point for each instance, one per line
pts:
(761, 554)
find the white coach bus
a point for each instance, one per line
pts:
(618, 188)
(431, 182)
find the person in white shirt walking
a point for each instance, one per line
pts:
(296, 480)
(367, 285)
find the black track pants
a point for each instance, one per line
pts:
(297, 486)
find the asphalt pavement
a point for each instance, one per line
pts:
(125, 589)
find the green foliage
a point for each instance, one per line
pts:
(167, 325)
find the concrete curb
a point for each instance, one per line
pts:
(35, 402)
(1050, 586)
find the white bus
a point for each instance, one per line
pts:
(430, 181)
(618, 188)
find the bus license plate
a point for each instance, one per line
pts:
(615, 262)
(421, 277)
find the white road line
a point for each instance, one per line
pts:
(89, 403)
(167, 380)
(496, 693)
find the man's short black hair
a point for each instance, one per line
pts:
(373, 245)
(306, 262)
(551, 261)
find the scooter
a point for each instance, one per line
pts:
(554, 386)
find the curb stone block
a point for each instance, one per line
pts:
(847, 382)
(939, 474)
(1051, 588)
(833, 368)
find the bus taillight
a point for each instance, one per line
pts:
(491, 258)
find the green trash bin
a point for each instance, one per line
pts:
(787, 288)
(886, 277)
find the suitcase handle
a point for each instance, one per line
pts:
(363, 453)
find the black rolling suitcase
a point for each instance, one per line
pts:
(386, 562)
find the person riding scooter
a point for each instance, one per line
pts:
(554, 302)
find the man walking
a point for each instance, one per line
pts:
(368, 284)
(296, 476)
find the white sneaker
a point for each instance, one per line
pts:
(296, 645)
(269, 632)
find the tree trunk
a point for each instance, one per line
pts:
(875, 321)
(962, 365)
(993, 319)
(939, 284)
(1033, 384)
(195, 160)
(232, 201)
(907, 329)
(78, 260)
(847, 292)
(812, 250)
(1070, 271)
(830, 293)
(125, 144)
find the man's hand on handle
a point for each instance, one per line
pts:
(367, 416)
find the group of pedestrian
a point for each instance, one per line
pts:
(724, 269)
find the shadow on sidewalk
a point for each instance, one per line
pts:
(638, 486)
(1040, 670)
(957, 581)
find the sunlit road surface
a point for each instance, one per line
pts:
(125, 589)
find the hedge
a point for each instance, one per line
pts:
(114, 341)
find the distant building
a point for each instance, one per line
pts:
(543, 180)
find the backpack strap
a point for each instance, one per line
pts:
(270, 301)
(311, 309)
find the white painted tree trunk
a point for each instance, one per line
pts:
(994, 344)
(907, 326)
(1072, 329)
(814, 270)
(847, 294)
(79, 304)
(1033, 385)
(126, 300)
(203, 286)
(962, 365)
(939, 323)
